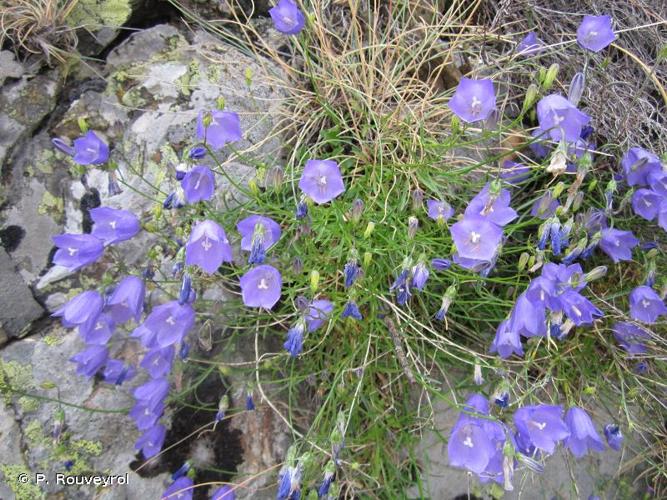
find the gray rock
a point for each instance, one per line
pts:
(18, 308)
(563, 476)
(100, 440)
(9, 67)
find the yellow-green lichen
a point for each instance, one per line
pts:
(52, 339)
(28, 404)
(50, 205)
(95, 14)
(190, 78)
(14, 475)
(92, 448)
(34, 433)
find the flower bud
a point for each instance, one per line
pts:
(417, 199)
(83, 125)
(357, 210)
(530, 98)
(220, 104)
(413, 225)
(369, 230)
(252, 186)
(576, 88)
(523, 261)
(368, 258)
(595, 273)
(550, 76)
(314, 280)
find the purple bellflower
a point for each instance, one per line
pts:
(476, 238)
(631, 337)
(208, 247)
(595, 33)
(224, 493)
(98, 332)
(583, 435)
(614, 436)
(542, 426)
(287, 17)
(180, 489)
(545, 206)
(127, 300)
(351, 270)
(646, 305)
(90, 360)
(439, 210)
(578, 308)
(151, 441)
(662, 215)
(441, 264)
(514, 173)
(318, 313)
(113, 225)
(82, 310)
(224, 127)
(322, 180)
(88, 149)
(198, 184)
(528, 318)
(506, 341)
(157, 362)
(495, 208)
(618, 244)
(646, 203)
(152, 393)
(77, 250)
(144, 416)
(166, 324)
(474, 100)
(351, 310)
(637, 164)
(657, 179)
(473, 441)
(420, 275)
(530, 45)
(116, 372)
(294, 342)
(560, 119)
(261, 286)
(258, 234)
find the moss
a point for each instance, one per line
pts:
(92, 448)
(214, 73)
(50, 205)
(52, 339)
(97, 13)
(13, 475)
(35, 434)
(16, 374)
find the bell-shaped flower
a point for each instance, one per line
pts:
(127, 300)
(657, 181)
(545, 206)
(474, 100)
(614, 436)
(207, 247)
(595, 33)
(439, 210)
(351, 310)
(541, 426)
(77, 250)
(578, 308)
(151, 441)
(662, 214)
(224, 493)
(152, 393)
(631, 337)
(351, 271)
(116, 372)
(420, 275)
(583, 435)
(261, 286)
(618, 244)
(560, 119)
(145, 416)
(318, 313)
(113, 225)
(530, 45)
(168, 324)
(157, 362)
(321, 180)
(100, 331)
(258, 234)
(87, 150)
(287, 17)
(83, 309)
(528, 318)
(506, 341)
(217, 128)
(494, 207)
(476, 238)
(198, 184)
(90, 360)
(181, 489)
(637, 164)
(294, 342)
(646, 203)
(646, 305)
(514, 173)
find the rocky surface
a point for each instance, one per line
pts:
(19, 307)
(564, 476)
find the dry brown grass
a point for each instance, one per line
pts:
(38, 27)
